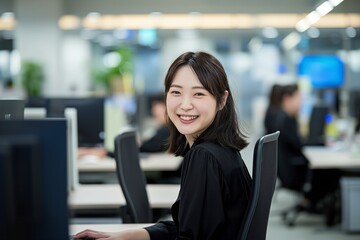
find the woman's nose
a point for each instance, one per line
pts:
(186, 103)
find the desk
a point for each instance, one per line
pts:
(103, 170)
(110, 196)
(75, 228)
(330, 158)
(97, 170)
(148, 162)
(326, 158)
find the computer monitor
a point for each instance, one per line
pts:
(11, 109)
(322, 70)
(36, 102)
(90, 115)
(33, 181)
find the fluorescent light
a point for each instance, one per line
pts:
(313, 17)
(7, 21)
(335, 2)
(302, 25)
(212, 21)
(324, 8)
(68, 22)
(291, 40)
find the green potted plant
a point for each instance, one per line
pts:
(111, 77)
(32, 78)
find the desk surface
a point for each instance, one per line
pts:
(325, 157)
(75, 228)
(148, 162)
(110, 196)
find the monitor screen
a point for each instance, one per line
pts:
(90, 117)
(33, 179)
(323, 71)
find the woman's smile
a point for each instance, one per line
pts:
(186, 119)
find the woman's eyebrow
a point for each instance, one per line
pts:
(198, 87)
(195, 87)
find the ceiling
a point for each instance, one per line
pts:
(81, 8)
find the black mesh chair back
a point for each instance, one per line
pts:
(264, 179)
(317, 125)
(131, 178)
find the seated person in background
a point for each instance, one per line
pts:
(157, 143)
(293, 169)
(284, 107)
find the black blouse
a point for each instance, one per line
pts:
(214, 194)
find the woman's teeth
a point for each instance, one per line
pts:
(187, 118)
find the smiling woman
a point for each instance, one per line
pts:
(215, 183)
(189, 105)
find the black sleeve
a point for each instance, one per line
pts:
(201, 212)
(163, 230)
(201, 208)
(289, 132)
(290, 136)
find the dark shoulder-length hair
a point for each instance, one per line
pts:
(275, 96)
(224, 130)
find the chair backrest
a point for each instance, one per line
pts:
(317, 124)
(264, 177)
(131, 177)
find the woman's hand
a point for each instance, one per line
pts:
(132, 234)
(92, 234)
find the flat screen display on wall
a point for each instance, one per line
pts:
(323, 71)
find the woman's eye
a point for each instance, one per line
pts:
(199, 94)
(174, 92)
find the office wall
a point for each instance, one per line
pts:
(75, 57)
(38, 38)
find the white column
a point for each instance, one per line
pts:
(38, 38)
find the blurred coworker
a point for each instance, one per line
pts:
(293, 168)
(293, 165)
(157, 143)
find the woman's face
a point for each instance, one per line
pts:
(158, 110)
(293, 103)
(189, 105)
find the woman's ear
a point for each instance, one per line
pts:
(223, 100)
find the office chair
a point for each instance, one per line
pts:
(317, 124)
(131, 179)
(264, 176)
